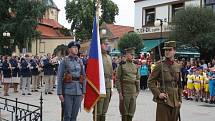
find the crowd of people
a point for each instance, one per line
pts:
(28, 73)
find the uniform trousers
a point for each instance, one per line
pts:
(102, 106)
(72, 104)
(26, 83)
(34, 82)
(166, 113)
(48, 79)
(127, 107)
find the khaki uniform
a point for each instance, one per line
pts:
(167, 110)
(128, 85)
(103, 103)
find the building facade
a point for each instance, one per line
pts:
(51, 32)
(147, 11)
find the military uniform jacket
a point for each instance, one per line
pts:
(48, 67)
(73, 65)
(108, 70)
(25, 68)
(128, 78)
(15, 70)
(172, 83)
(6, 69)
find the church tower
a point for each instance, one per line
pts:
(52, 10)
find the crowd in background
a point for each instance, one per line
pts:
(198, 76)
(30, 73)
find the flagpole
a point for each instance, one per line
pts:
(97, 22)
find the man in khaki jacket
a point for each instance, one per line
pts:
(168, 95)
(128, 85)
(103, 103)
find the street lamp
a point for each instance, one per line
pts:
(6, 34)
(161, 23)
(74, 34)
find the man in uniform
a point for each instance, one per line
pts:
(168, 95)
(128, 85)
(103, 103)
(71, 88)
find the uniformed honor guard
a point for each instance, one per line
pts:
(128, 85)
(15, 72)
(48, 74)
(71, 83)
(103, 103)
(168, 95)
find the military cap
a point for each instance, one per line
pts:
(73, 44)
(169, 45)
(103, 40)
(130, 50)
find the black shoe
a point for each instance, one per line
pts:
(187, 98)
(23, 93)
(29, 93)
(191, 98)
(46, 93)
(197, 100)
(36, 90)
(201, 99)
(50, 93)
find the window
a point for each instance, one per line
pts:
(42, 47)
(176, 8)
(209, 2)
(149, 16)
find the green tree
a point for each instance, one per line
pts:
(131, 40)
(27, 19)
(20, 18)
(195, 27)
(80, 14)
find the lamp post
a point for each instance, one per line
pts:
(6, 34)
(74, 34)
(161, 23)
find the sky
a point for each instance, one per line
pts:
(125, 17)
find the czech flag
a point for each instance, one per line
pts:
(95, 71)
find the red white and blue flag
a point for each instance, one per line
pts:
(95, 71)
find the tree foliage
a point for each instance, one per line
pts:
(80, 14)
(195, 26)
(131, 40)
(20, 18)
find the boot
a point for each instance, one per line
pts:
(129, 118)
(124, 118)
(15, 88)
(98, 118)
(102, 118)
(6, 87)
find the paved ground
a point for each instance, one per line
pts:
(191, 111)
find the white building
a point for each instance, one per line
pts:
(147, 11)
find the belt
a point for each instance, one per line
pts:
(75, 78)
(172, 84)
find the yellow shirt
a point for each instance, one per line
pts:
(198, 79)
(190, 78)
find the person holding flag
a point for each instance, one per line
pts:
(103, 103)
(71, 84)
